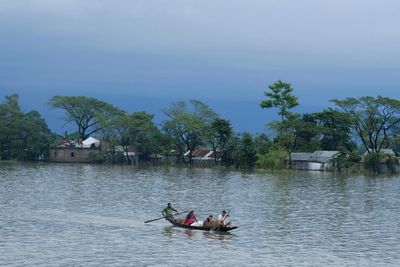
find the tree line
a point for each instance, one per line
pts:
(352, 126)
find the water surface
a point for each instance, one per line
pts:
(92, 215)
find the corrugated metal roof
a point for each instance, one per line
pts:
(323, 156)
(301, 156)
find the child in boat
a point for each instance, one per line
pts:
(190, 218)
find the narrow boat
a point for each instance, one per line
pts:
(218, 229)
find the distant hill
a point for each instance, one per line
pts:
(244, 115)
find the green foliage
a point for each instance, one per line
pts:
(371, 162)
(281, 97)
(296, 135)
(335, 129)
(96, 158)
(262, 143)
(273, 160)
(373, 119)
(136, 130)
(346, 161)
(245, 155)
(189, 125)
(221, 132)
(23, 136)
(87, 113)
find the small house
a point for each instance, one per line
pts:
(75, 151)
(319, 160)
(203, 156)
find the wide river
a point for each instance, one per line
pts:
(93, 215)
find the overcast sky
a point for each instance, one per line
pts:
(220, 49)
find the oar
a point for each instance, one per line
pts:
(166, 216)
(226, 216)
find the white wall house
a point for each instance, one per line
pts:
(319, 160)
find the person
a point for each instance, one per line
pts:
(222, 219)
(167, 212)
(190, 218)
(207, 221)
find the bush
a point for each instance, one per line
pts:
(96, 158)
(273, 160)
(371, 162)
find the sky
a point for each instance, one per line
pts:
(220, 50)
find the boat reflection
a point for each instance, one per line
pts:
(168, 231)
(218, 235)
(191, 234)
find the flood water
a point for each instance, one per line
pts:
(93, 215)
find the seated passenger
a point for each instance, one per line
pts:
(207, 221)
(190, 218)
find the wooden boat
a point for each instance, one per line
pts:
(204, 228)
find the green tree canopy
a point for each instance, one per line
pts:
(335, 130)
(22, 135)
(188, 125)
(373, 119)
(245, 153)
(280, 97)
(137, 130)
(221, 132)
(87, 113)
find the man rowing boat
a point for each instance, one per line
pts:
(167, 212)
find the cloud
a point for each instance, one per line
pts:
(203, 46)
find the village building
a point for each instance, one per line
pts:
(203, 156)
(76, 151)
(320, 160)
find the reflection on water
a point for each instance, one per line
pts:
(88, 215)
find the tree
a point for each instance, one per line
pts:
(221, 131)
(188, 125)
(293, 135)
(135, 130)
(373, 119)
(86, 112)
(262, 143)
(292, 131)
(10, 126)
(335, 130)
(245, 154)
(22, 135)
(145, 135)
(281, 97)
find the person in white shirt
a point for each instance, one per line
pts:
(223, 219)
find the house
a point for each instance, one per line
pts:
(203, 156)
(322, 160)
(75, 151)
(319, 160)
(300, 160)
